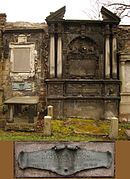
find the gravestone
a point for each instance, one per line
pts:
(47, 125)
(113, 133)
(50, 111)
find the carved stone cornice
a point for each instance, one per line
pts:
(57, 15)
(108, 16)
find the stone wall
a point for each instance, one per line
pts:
(2, 25)
(124, 56)
(75, 67)
(84, 79)
(33, 37)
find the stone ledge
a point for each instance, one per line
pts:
(21, 127)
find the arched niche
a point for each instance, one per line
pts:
(82, 59)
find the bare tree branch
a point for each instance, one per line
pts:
(120, 8)
(119, 4)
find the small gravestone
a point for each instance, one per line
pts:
(50, 111)
(113, 133)
(47, 125)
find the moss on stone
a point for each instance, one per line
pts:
(69, 130)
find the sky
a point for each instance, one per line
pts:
(38, 10)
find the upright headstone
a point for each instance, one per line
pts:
(113, 133)
(50, 111)
(47, 125)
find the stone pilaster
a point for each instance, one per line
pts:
(122, 76)
(107, 52)
(114, 53)
(59, 57)
(52, 56)
(11, 113)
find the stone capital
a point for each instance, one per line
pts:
(114, 28)
(107, 30)
(122, 63)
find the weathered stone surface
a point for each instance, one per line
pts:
(21, 126)
(23, 34)
(50, 111)
(86, 146)
(2, 123)
(83, 95)
(65, 160)
(82, 84)
(23, 100)
(125, 87)
(113, 133)
(47, 125)
(80, 56)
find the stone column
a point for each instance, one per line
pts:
(114, 59)
(122, 76)
(107, 52)
(52, 56)
(59, 57)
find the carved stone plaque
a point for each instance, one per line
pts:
(65, 160)
(83, 89)
(21, 60)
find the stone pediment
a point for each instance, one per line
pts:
(108, 16)
(57, 15)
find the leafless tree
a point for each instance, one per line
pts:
(120, 8)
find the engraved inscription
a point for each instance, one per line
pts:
(64, 160)
(83, 89)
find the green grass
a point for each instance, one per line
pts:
(69, 130)
(30, 136)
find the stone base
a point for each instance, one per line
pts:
(83, 98)
(84, 108)
(2, 123)
(21, 127)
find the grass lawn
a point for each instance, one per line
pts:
(69, 130)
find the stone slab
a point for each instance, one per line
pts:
(21, 127)
(23, 100)
(45, 145)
